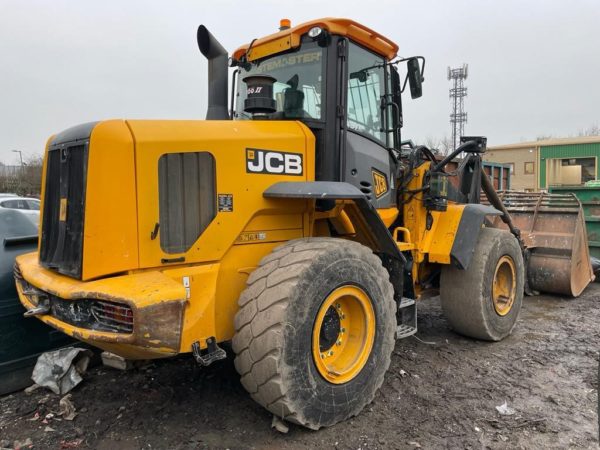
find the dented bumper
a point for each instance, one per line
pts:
(137, 316)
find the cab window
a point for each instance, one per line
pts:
(298, 87)
(366, 87)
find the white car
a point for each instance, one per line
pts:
(28, 206)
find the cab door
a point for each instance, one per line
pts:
(367, 160)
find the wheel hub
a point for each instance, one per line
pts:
(504, 288)
(330, 329)
(343, 334)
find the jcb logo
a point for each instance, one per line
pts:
(380, 183)
(267, 161)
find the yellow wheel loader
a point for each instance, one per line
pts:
(293, 222)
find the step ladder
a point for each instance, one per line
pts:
(406, 317)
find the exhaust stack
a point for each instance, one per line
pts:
(217, 74)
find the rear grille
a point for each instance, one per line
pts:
(92, 314)
(62, 223)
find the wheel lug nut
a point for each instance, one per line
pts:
(338, 306)
(339, 342)
(322, 355)
(343, 330)
(330, 352)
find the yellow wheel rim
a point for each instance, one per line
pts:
(504, 288)
(343, 334)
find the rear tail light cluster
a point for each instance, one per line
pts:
(114, 316)
(99, 315)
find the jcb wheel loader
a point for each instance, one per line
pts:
(296, 225)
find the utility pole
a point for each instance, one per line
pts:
(458, 92)
(20, 157)
(22, 174)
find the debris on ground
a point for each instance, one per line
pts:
(61, 370)
(505, 410)
(118, 362)
(67, 409)
(31, 389)
(71, 444)
(27, 443)
(279, 425)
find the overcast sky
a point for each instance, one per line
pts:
(534, 66)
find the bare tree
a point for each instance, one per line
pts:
(592, 130)
(446, 145)
(441, 146)
(432, 143)
(26, 180)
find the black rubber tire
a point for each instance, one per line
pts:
(466, 295)
(274, 330)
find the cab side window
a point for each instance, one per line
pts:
(366, 87)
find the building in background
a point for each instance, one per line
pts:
(552, 162)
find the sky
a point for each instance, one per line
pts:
(534, 65)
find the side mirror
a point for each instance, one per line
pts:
(415, 79)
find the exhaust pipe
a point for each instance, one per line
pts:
(217, 74)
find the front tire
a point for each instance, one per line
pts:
(484, 301)
(315, 330)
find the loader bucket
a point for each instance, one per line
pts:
(553, 230)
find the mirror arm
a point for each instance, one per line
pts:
(404, 84)
(399, 60)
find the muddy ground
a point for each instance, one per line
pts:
(441, 392)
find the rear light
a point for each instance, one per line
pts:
(112, 315)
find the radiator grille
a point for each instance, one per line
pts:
(61, 246)
(187, 204)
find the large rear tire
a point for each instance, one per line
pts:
(315, 330)
(484, 301)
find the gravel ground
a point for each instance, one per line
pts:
(441, 392)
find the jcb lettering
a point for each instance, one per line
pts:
(274, 162)
(380, 182)
(271, 162)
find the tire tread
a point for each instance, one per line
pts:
(267, 295)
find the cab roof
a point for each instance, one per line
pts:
(290, 38)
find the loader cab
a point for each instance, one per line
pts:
(342, 89)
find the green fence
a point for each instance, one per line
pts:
(589, 196)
